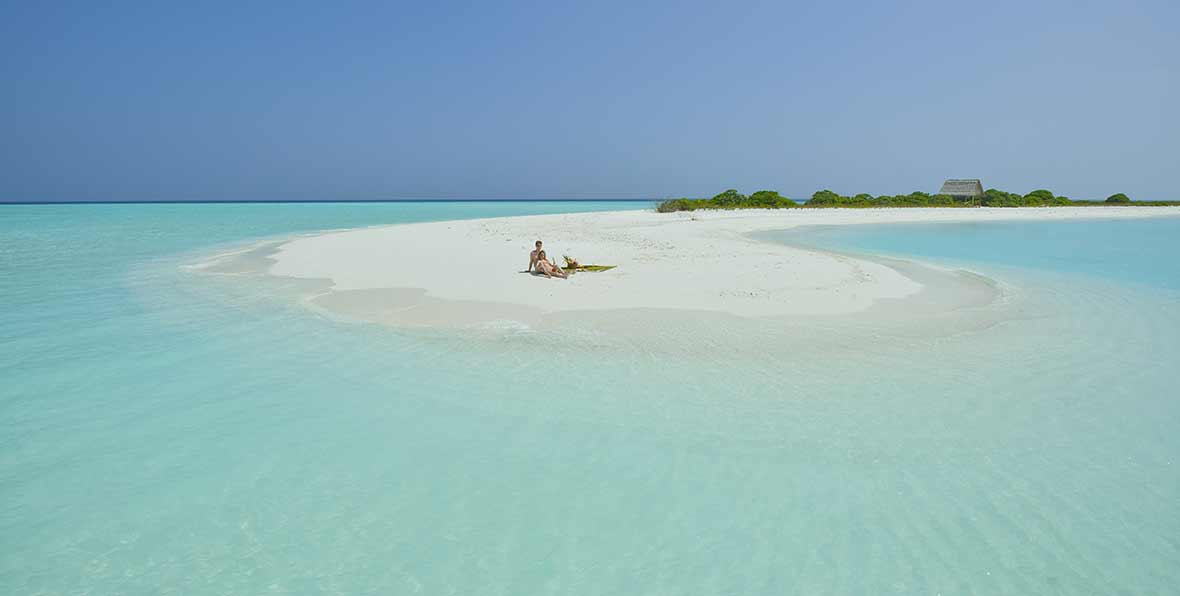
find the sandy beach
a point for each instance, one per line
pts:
(470, 272)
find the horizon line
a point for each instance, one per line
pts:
(277, 201)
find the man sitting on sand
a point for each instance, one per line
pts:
(539, 263)
(533, 257)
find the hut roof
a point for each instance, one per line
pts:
(968, 187)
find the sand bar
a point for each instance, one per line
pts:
(470, 272)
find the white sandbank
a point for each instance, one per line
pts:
(469, 272)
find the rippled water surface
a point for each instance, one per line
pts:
(171, 432)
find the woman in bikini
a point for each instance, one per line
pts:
(549, 269)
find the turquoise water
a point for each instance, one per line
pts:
(1137, 251)
(168, 432)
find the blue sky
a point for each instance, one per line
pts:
(370, 100)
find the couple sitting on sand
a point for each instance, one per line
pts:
(539, 263)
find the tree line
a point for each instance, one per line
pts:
(770, 199)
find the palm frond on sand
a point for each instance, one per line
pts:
(572, 264)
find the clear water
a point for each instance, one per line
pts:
(1138, 251)
(168, 433)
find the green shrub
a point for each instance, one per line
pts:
(827, 198)
(824, 198)
(676, 205)
(770, 199)
(729, 198)
(997, 198)
(1038, 198)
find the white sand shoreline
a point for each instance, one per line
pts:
(468, 272)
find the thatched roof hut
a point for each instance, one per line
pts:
(968, 187)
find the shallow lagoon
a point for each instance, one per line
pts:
(166, 432)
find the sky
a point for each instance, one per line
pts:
(386, 100)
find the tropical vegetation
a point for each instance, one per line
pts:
(730, 199)
(769, 199)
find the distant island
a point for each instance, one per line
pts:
(825, 199)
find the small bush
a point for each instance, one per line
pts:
(770, 199)
(729, 198)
